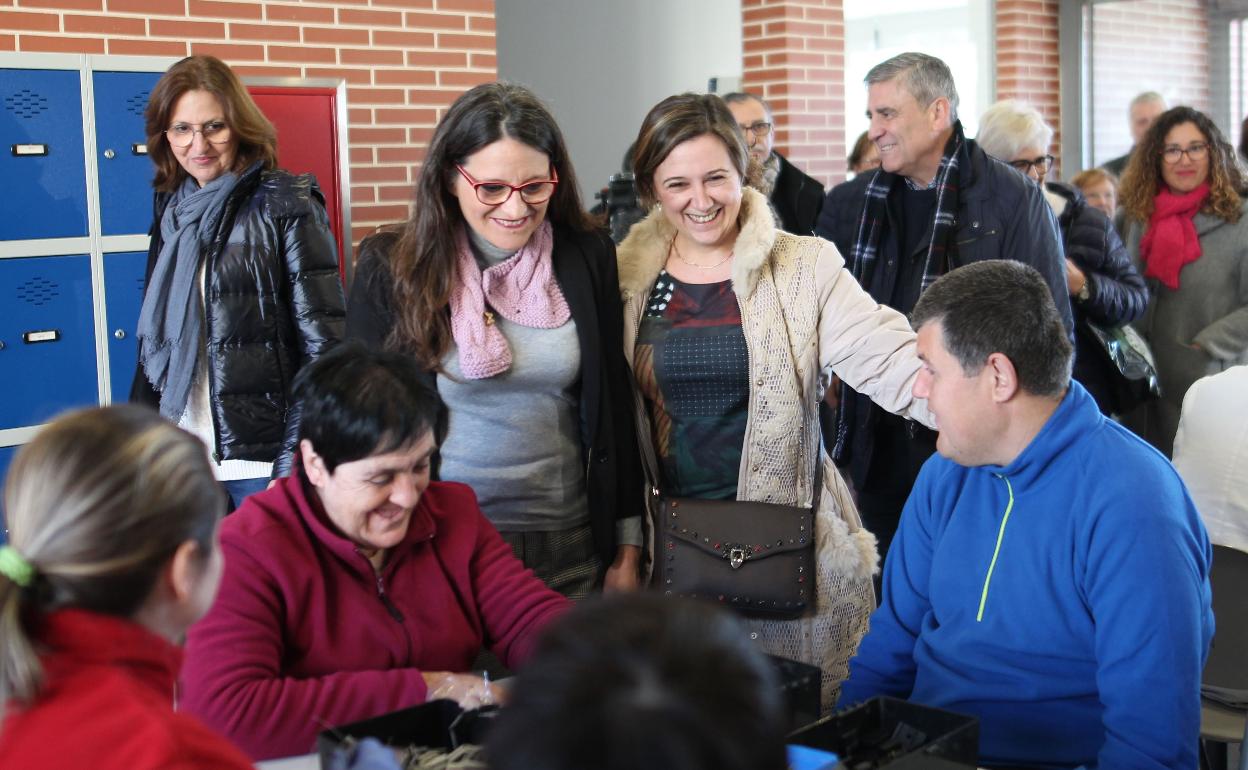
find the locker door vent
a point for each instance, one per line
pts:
(139, 281)
(26, 103)
(38, 291)
(138, 103)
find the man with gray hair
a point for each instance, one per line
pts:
(795, 196)
(1144, 109)
(1051, 574)
(937, 202)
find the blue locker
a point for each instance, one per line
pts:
(121, 151)
(41, 156)
(6, 457)
(123, 296)
(47, 334)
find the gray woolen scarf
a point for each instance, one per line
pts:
(171, 322)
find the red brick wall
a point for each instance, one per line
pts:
(1027, 58)
(795, 59)
(404, 61)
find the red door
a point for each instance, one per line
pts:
(306, 119)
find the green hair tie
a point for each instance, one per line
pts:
(16, 568)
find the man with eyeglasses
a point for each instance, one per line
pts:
(1144, 109)
(795, 196)
(937, 202)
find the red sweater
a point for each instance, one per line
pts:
(304, 635)
(107, 702)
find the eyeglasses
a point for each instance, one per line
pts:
(183, 134)
(1194, 152)
(759, 129)
(1041, 164)
(498, 193)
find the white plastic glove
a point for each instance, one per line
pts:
(470, 691)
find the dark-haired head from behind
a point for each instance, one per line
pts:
(643, 682)
(1000, 306)
(358, 402)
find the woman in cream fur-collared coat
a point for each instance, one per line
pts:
(733, 328)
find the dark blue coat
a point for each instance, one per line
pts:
(1000, 215)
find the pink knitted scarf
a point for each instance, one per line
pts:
(521, 289)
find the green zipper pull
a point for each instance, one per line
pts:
(983, 596)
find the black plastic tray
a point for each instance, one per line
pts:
(897, 735)
(439, 724)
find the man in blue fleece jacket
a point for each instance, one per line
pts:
(1050, 574)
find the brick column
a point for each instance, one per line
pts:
(1027, 58)
(794, 57)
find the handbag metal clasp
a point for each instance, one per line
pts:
(737, 556)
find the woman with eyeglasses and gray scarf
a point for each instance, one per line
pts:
(242, 285)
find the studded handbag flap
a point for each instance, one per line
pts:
(755, 557)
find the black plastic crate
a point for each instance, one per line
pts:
(439, 724)
(442, 724)
(799, 684)
(897, 735)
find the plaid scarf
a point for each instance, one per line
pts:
(866, 250)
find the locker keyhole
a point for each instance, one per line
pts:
(38, 291)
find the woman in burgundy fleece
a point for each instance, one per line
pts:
(356, 586)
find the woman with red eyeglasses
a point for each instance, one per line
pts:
(506, 293)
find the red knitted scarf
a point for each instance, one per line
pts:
(1170, 241)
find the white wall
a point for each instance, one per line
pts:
(602, 64)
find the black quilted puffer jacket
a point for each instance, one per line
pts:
(1117, 294)
(273, 302)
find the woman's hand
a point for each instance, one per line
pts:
(468, 690)
(1075, 279)
(624, 574)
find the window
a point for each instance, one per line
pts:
(959, 32)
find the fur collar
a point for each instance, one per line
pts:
(644, 251)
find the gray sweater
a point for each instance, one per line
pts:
(514, 437)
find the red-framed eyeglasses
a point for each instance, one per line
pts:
(498, 193)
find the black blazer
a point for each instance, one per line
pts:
(797, 199)
(585, 267)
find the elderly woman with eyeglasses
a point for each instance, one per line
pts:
(1104, 286)
(506, 294)
(242, 283)
(1184, 197)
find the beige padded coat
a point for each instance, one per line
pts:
(804, 317)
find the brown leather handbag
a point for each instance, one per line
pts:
(755, 557)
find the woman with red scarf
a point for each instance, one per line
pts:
(113, 516)
(1183, 193)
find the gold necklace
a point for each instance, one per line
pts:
(676, 252)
